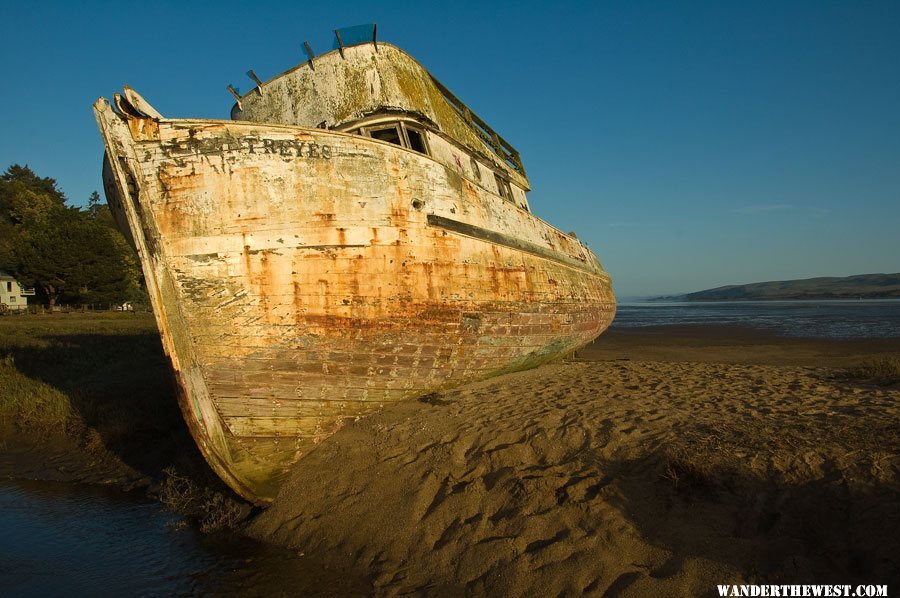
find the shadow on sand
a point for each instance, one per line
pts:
(771, 530)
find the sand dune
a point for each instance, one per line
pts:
(617, 477)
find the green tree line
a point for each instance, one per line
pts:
(69, 255)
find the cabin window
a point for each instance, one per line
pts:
(476, 172)
(390, 134)
(503, 187)
(400, 134)
(416, 139)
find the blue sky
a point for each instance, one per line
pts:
(691, 144)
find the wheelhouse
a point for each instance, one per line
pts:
(410, 132)
(373, 89)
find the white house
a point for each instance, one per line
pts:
(12, 294)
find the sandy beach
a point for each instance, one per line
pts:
(660, 462)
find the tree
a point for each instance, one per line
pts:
(98, 210)
(31, 209)
(69, 254)
(43, 255)
(134, 287)
(26, 177)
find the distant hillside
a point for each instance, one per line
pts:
(866, 286)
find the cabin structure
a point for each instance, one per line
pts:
(13, 296)
(376, 90)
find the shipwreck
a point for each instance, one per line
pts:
(354, 236)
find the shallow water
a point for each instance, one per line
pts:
(65, 539)
(873, 318)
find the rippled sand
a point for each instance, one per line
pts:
(644, 476)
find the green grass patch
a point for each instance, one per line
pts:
(103, 380)
(18, 329)
(106, 371)
(31, 404)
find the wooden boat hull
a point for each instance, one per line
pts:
(302, 278)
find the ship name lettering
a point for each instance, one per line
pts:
(291, 147)
(253, 145)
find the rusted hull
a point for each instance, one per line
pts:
(301, 278)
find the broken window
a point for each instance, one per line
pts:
(503, 187)
(390, 134)
(416, 139)
(400, 134)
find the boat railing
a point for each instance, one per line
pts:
(500, 146)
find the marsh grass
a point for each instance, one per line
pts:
(105, 370)
(100, 379)
(31, 404)
(883, 371)
(212, 509)
(688, 474)
(103, 381)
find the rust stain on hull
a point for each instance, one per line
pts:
(302, 278)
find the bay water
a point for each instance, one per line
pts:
(864, 318)
(59, 539)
